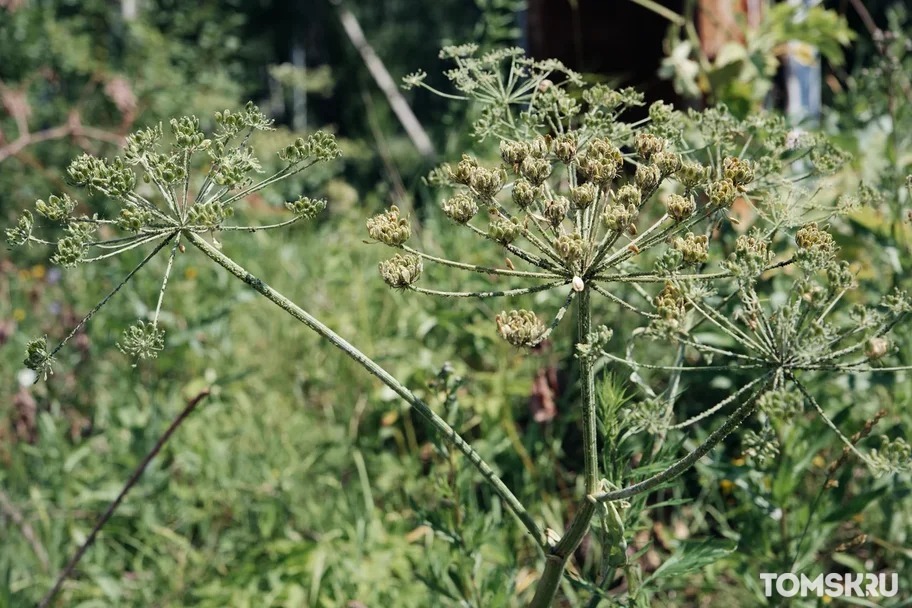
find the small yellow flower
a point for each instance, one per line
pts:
(18, 314)
(858, 518)
(819, 461)
(738, 462)
(827, 599)
(190, 273)
(38, 271)
(726, 485)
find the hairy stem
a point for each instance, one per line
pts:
(446, 431)
(560, 553)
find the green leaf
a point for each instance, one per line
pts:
(692, 556)
(854, 506)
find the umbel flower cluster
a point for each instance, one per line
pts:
(159, 205)
(695, 224)
(641, 214)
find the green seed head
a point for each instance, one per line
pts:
(583, 196)
(524, 193)
(400, 271)
(648, 144)
(460, 208)
(680, 207)
(505, 231)
(648, 177)
(556, 210)
(520, 327)
(536, 170)
(738, 171)
(389, 228)
(694, 249)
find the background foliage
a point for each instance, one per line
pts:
(300, 481)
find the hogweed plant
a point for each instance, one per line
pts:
(629, 212)
(161, 207)
(636, 216)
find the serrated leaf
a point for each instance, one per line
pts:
(692, 556)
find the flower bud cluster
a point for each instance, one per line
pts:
(187, 133)
(400, 271)
(20, 233)
(486, 183)
(556, 210)
(209, 214)
(232, 123)
(133, 218)
(670, 303)
(668, 162)
(570, 247)
(623, 210)
(816, 247)
(564, 147)
(618, 217)
(520, 327)
(751, 256)
(535, 169)
(96, 175)
(762, 447)
(894, 456)
(647, 145)
(320, 146)
(648, 177)
(73, 247)
(680, 207)
(389, 227)
(583, 196)
(600, 161)
(234, 166)
(692, 174)
(460, 208)
(142, 143)
(740, 172)
(504, 230)
(464, 170)
(37, 357)
(56, 208)
(524, 193)
(142, 340)
(163, 168)
(721, 193)
(305, 207)
(782, 403)
(694, 249)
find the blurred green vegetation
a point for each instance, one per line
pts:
(301, 481)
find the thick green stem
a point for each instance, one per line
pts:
(730, 424)
(445, 430)
(560, 553)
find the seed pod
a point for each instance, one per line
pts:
(461, 208)
(389, 228)
(680, 208)
(520, 327)
(400, 271)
